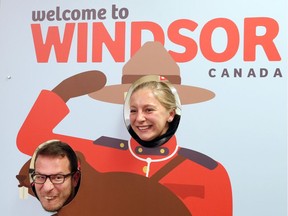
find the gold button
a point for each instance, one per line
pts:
(144, 169)
(122, 145)
(162, 151)
(140, 150)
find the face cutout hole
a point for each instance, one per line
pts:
(164, 93)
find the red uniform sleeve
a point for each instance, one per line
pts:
(205, 191)
(46, 113)
(48, 110)
(218, 193)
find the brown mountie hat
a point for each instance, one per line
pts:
(152, 59)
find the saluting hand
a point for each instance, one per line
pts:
(80, 84)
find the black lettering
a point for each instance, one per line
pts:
(225, 73)
(263, 72)
(123, 13)
(238, 72)
(58, 18)
(50, 15)
(38, 15)
(76, 14)
(210, 72)
(65, 17)
(277, 72)
(251, 73)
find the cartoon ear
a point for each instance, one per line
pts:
(24, 179)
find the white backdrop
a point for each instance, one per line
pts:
(244, 127)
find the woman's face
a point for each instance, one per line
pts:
(148, 117)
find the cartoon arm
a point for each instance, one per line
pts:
(80, 84)
(219, 193)
(211, 192)
(50, 108)
(204, 185)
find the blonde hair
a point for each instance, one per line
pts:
(162, 93)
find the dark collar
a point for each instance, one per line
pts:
(159, 141)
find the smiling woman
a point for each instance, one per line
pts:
(152, 110)
(152, 113)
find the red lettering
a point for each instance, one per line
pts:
(101, 36)
(62, 49)
(136, 34)
(232, 40)
(251, 39)
(180, 32)
(82, 42)
(188, 43)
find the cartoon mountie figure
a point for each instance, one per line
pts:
(200, 183)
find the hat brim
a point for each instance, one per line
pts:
(187, 94)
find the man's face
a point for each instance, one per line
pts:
(54, 196)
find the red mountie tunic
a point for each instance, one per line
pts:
(201, 183)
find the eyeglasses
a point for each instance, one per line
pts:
(55, 179)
